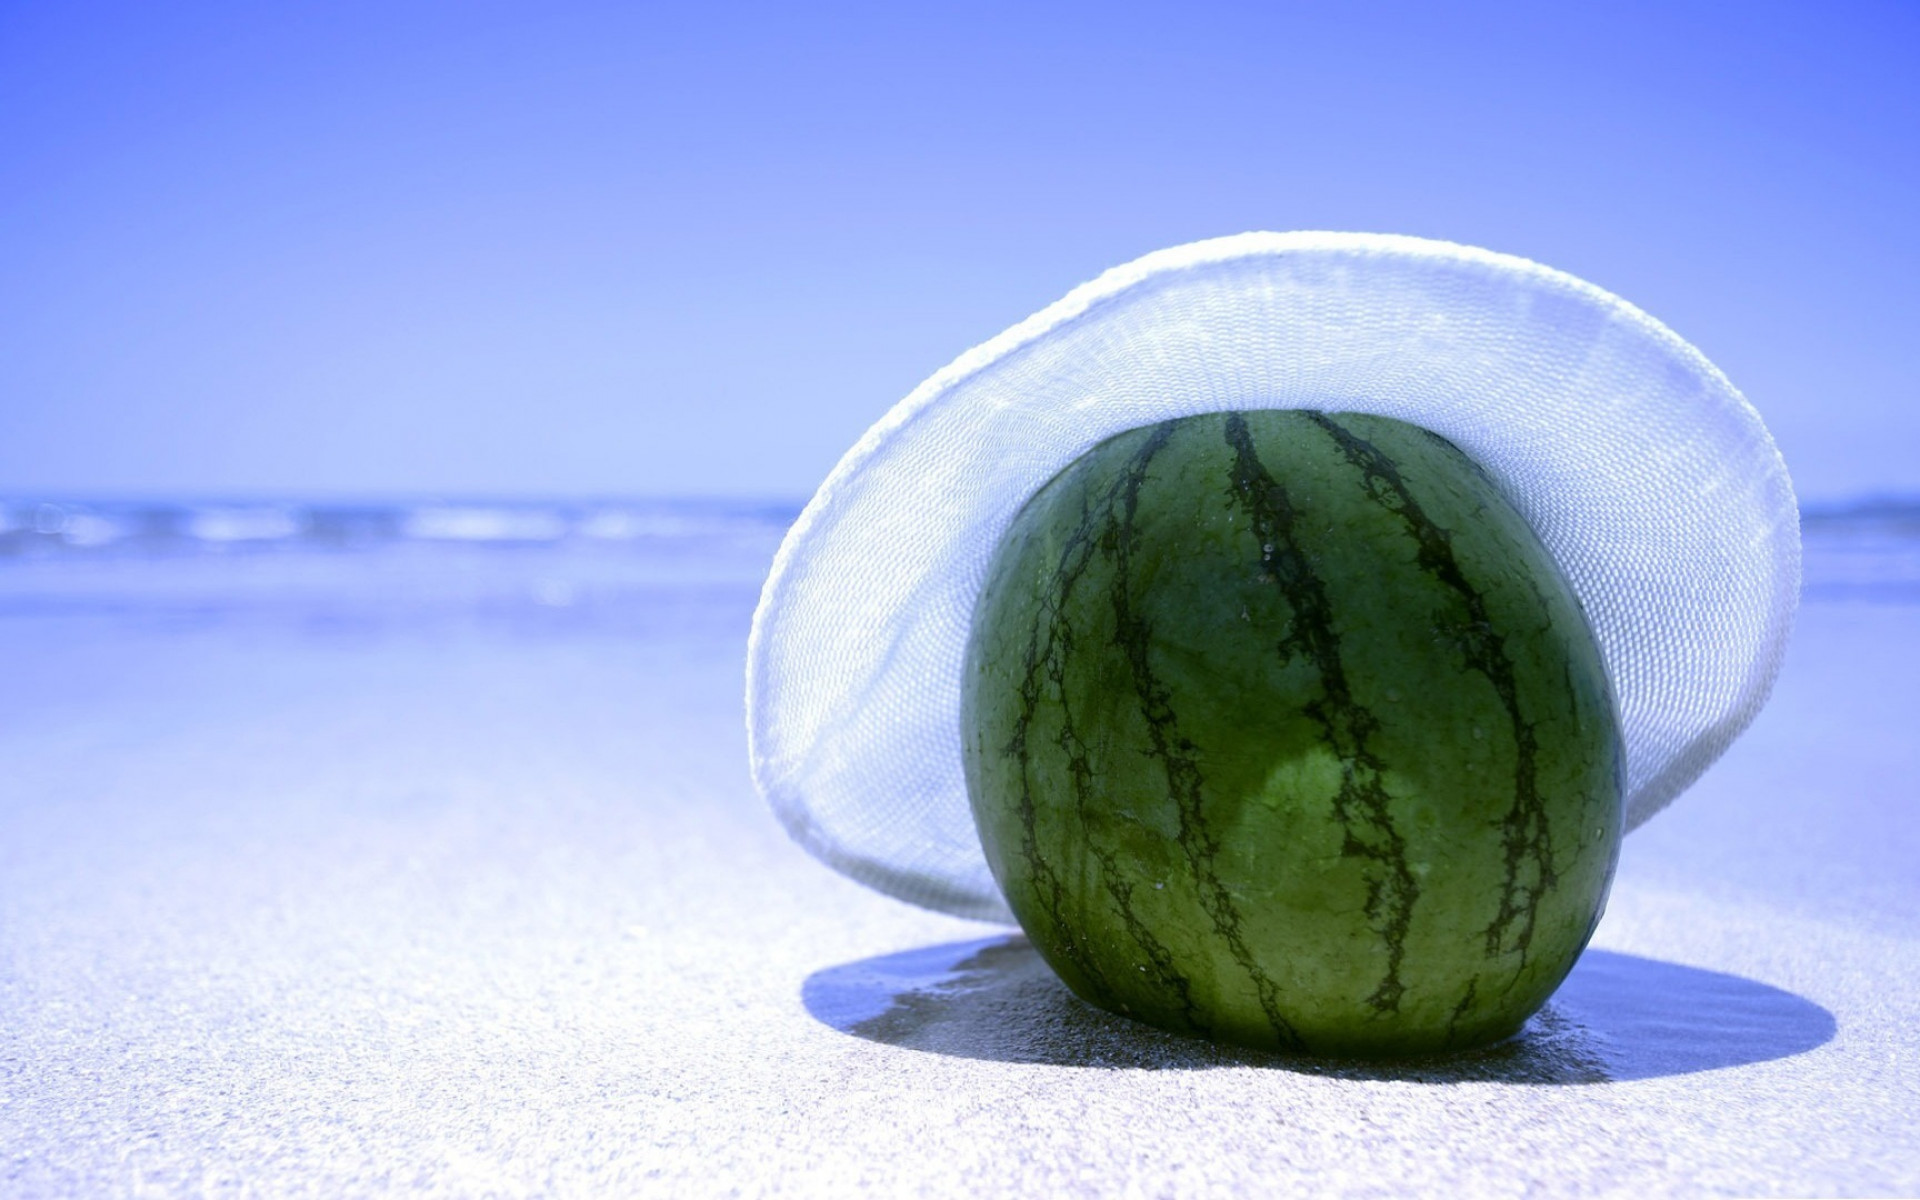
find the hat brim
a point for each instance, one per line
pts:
(1648, 477)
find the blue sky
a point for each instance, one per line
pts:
(395, 249)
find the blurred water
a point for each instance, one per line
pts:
(582, 566)
(1868, 550)
(481, 557)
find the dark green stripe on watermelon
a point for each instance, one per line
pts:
(1283, 728)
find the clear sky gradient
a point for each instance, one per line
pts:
(392, 249)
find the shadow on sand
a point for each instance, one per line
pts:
(1617, 1017)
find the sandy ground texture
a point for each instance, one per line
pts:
(316, 899)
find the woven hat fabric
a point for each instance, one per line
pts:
(1648, 477)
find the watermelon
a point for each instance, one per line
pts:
(1283, 728)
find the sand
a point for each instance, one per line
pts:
(303, 896)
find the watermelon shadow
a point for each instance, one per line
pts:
(1618, 1017)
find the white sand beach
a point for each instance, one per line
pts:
(325, 877)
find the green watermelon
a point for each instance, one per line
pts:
(1284, 729)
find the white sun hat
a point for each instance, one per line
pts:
(1649, 478)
